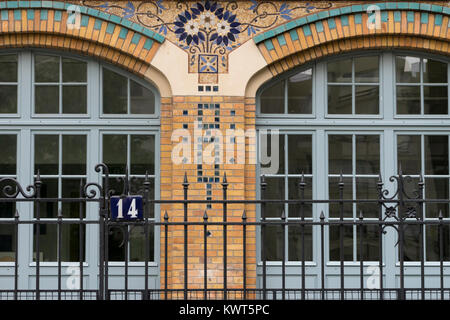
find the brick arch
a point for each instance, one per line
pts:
(404, 25)
(44, 24)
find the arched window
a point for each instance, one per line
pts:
(60, 115)
(359, 116)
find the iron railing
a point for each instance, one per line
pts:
(398, 211)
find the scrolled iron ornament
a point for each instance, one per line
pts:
(7, 190)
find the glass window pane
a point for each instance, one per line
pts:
(340, 71)
(408, 100)
(46, 68)
(49, 189)
(435, 100)
(436, 154)
(434, 71)
(74, 154)
(366, 69)
(8, 98)
(273, 243)
(274, 191)
(433, 236)
(367, 99)
(409, 153)
(115, 93)
(8, 160)
(411, 250)
(340, 154)
(300, 93)
(272, 99)
(73, 188)
(335, 194)
(70, 244)
(142, 100)
(74, 70)
(46, 99)
(436, 188)
(300, 154)
(7, 209)
(366, 189)
(8, 65)
(295, 243)
(407, 69)
(142, 155)
(7, 243)
(137, 244)
(46, 148)
(47, 239)
(296, 210)
(116, 249)
(335, 244)
(115, 153)
(339, 99)
(74, 99)
(271, 156)
(367, 154)
(370, 241)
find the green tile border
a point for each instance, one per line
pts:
(92, 13)
(425, 8)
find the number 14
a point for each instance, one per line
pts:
(132, 212)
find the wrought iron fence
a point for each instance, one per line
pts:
(398, 211)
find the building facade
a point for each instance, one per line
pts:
(183, 96)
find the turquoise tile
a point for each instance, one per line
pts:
(331, 23)
(438, 20)
(267, 35)
(24, 4)
(312, 18)
(290, 25)
(97, 24)
(4, 14)
(384, 16)
(410, 16)
(12, 4)
(84, 21)
(123, 33)
(306, 31)
(436, 8)
(346, 10)
(83, 10)
(358, 18)
(258, 38)
(402, 5)
(137, 27)
(158, 37)
(136, 38)
(414, 5)
(323, 14)
(44, 14)
(446, 10)
(425, 6)
(30, 14)
(357, 8)
(269, 45)
(335, 12)
(148, 44)
(344, 20)
(58, 5)
(93, 12)
(319, 26)
(281, 40)
(35, 4)
(294, 35)
(104, 15)
(300, 22)
(47, 4)
(110, 28)
(18, 14)
(397, 16)
(58, 15)
(391, 5)
(3, 5)
(382, 6)
(115, 19)
(126, 22)
(424, 17)
(279, 29)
